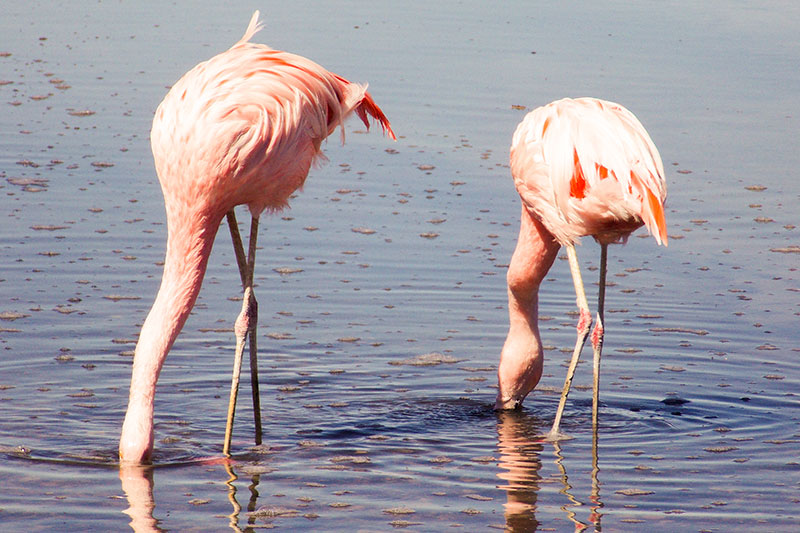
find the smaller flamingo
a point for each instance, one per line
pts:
(581, 167)
(243, 127)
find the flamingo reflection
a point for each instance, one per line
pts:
(520, 460)
(520, 446)
(137, 484)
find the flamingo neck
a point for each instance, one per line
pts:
(188, 248)
(521, 360)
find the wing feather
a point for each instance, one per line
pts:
(588, 167)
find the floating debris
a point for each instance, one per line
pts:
(273, 512)
(700, 332)
(12, 315)
(363, 231)
(352, 459)
(119, 297)
(400, 524)
(721, 449)
(634, 492)
(428, 359)
(44, 227)
(30, 184)
(283, 271)
(793, 249)
(399, 511)
(674, 401)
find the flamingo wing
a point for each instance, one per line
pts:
(250, 122)
(588, 167)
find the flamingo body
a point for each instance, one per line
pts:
(581, 167)
(588, 167)
(243, 127)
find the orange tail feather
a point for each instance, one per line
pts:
(369, 107)
(657, 212)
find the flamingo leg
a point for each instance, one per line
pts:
(584, 323)
(597, 335)
(254, 331)
(246, 322)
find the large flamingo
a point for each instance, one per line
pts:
(581, 167)
(241, 128)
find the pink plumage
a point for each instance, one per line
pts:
(243, 127)
(582, 167)
(588, 167)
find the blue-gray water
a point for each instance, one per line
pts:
(397, 250)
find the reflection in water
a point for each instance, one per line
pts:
(520, 449)
(251, 505)
(595, 515)
(520, 446)
(579, 526)
(137, 483)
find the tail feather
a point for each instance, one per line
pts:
(658, 219)
(368, 107)
(252, 28)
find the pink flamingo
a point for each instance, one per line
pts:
(243, 127)
(581, 167)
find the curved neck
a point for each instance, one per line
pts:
(521, 359)
(189, 245)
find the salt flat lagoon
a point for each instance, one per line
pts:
(382, 290)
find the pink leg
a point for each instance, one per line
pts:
(584, 323)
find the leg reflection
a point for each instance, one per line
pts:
(596, 514)
(233, 518)
(571, 515)
(520, 450)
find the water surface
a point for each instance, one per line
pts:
(398, 250)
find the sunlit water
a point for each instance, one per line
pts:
(398, 250)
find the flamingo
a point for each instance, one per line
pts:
(243, 127)
(581, 167)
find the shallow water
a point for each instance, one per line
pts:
(398, 250)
